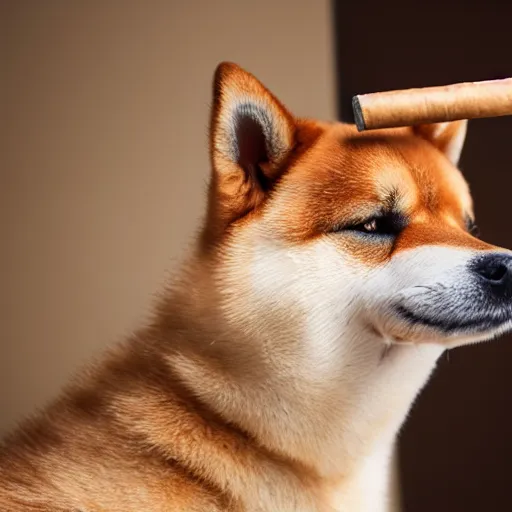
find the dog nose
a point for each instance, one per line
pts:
(496, 270)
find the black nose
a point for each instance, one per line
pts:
(496, 271)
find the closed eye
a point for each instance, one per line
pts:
(389, 225)
(472, 227)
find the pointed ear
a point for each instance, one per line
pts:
(251, 137)
(447, 137)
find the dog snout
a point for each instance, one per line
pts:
(495, 271)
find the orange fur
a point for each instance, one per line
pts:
(198, 411)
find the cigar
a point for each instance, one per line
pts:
(469, 100)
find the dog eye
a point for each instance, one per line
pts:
(472, 228)
(386, 225)
(372, 226)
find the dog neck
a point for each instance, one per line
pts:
(339, 422)
(330, 426)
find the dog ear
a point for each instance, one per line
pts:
(251, 137)
(447, 137)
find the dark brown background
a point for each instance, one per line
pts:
(455, 451)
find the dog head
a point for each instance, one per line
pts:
(321, 232)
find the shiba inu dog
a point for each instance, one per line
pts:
(333, 269)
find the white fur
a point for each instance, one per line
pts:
(317, 310)
(334, 385)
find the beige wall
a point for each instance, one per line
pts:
(103, 148)
(104, 158)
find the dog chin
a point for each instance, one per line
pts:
(449, 330)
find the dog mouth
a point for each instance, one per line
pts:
(456, 323)
(469, 302)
